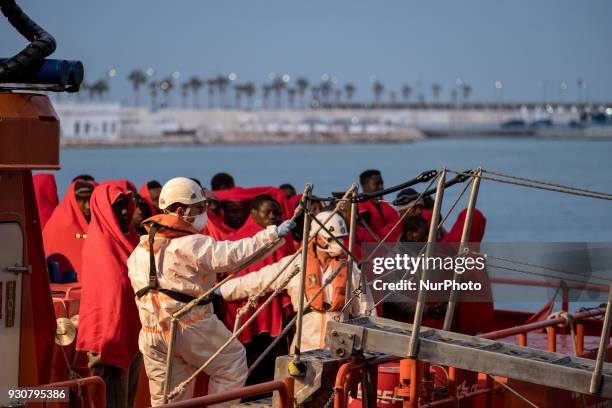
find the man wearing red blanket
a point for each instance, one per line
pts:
(265, 211)
(378, 216)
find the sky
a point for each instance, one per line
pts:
(530, 46)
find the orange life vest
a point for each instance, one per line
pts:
(173, 227)
(168, 226)
(313, 282)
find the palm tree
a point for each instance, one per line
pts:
(316, 95)
(185, 86)
(338, 96)
(166, 86)
(153, 87)
(138, 78)
(278, 85)
(467, 91)
(349, 90)
(291, 97)
(100, 87)
(378, 89)
(195, 84)
(435, 91)
(454, 96)
(267, 90)
(222, 82)
(326, 88)
(86, 87)
(392, 98)
(238, 90)
(249, 90)
(406, 92)
(212, 85)
(302, 85)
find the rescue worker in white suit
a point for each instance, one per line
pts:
(325, 256)
(185, 265)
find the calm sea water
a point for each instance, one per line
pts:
(513, 213)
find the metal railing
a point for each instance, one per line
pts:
(283, 388)
(564, 286)
(92, 389)
(551, 327)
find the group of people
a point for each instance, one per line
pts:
(140, 255)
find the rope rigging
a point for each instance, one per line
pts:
(582, 190)
(543, 186)
(548, 268)
(533, 273)
(180, 387)
(371, 282)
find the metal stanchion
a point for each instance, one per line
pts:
(351, 248)
(413, 345)
(173, 324)
(297, 367)
(603, 343)
(463, 246)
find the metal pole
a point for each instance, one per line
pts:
(173, 325)
(351, 248)
(413, 345)
(465, 238)
(305, 240)
(603, 343)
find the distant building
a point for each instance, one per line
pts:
(89, 121)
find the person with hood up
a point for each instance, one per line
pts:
(325, 257)
(46, 196)
(109, 325)
(150, 194)
(175, 264)
(66, 230)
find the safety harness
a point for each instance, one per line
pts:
(153, 283)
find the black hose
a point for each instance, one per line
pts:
(460, 178)
(42, 44)
(359, 198)
(421, 178)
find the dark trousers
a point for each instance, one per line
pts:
(120, 385)
(265, 370)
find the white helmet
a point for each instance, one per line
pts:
(335, 225)
(180, 190)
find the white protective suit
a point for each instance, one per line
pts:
(189, 264)
(314, 323)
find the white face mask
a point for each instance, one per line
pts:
(199, 222)
(333, 249)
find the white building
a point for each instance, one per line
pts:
(89, 121)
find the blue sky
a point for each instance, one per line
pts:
(524, 43)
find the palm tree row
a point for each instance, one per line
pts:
(97, 89)
(276, 94)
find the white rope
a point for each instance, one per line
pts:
(489, 265)
(543, 186)
(582, 190)
(179, 388)
(548, 268)
(358, 291)
(448, 212)
(288, 327)
(253, 300)
(513, 391)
